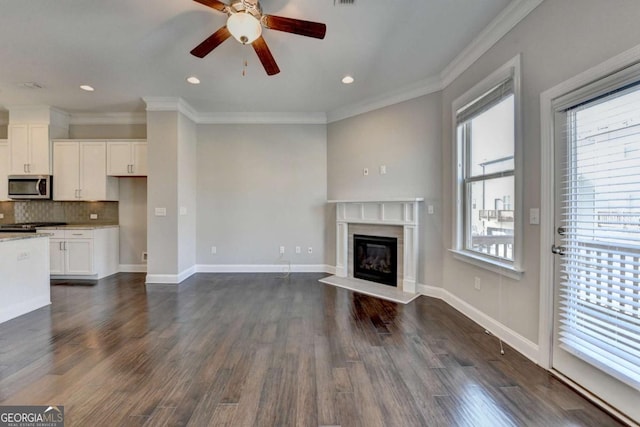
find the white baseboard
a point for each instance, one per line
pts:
(524, 346)
(17, 310)
(235, 268)
(132, 268)
(262, 268)
(330, 269)
(170, 279)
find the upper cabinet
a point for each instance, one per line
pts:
(4, 169)
(30, 131)
(79, 171)
(29, 149)
(127, 158)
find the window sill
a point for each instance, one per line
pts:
(498, 267)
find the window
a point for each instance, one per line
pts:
(487, 219)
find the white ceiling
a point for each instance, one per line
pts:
(129, 49)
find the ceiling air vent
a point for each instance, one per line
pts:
(344, 2)
(30, 85)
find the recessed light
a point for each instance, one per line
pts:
(87, 88)
(347, 80)
(193, 80)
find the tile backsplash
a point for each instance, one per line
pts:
(69, 212)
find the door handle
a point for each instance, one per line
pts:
(558, 250)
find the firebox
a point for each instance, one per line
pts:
(375, 258)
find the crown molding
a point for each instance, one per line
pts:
(263, 118)
(164, 103)
(108, 118)
(180, 105)
(515, 12)
(415, 90)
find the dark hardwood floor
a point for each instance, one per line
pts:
(263, 350)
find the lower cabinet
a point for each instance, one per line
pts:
(83, 253)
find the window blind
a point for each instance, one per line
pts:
(485, 101)
(599, 312)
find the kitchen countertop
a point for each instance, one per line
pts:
(5, 237)
(79, 227)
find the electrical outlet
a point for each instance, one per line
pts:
(281, 249)
(298, 249)
(476, 283)
(310, 250)
(214, 250)
(93, 216)
(144, 257)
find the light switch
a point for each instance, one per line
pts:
(383, 169)
(534, 216)
(1, 216)
(183, 210)
(161, 211)
(430, 209)
(93, 216)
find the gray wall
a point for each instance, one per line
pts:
(162, 192)
(405, 137)
(108, 131)
(187, 156)
(557, 41)
(133, 220)
(133, 191)
(260, 187)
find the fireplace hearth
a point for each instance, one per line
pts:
(376, 259)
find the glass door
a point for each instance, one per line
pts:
(597, 263)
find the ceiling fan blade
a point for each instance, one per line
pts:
(269, 64)
(295, 26)
(218, 5)
(214, 40)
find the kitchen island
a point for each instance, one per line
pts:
(24, 273)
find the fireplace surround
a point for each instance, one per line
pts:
(390, 218)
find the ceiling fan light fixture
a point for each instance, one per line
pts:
(244, 27)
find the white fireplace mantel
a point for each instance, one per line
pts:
(399, 212)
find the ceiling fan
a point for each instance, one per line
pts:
(245, 21)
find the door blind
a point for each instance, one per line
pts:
(600, 207)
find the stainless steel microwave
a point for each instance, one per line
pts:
(23, 187)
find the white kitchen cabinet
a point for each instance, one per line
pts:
(127, 158)
(83, 253)
(56, 255)
(4, 169)
(29, 149)
(79, 171)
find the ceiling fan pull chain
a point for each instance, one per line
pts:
(244, 68)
